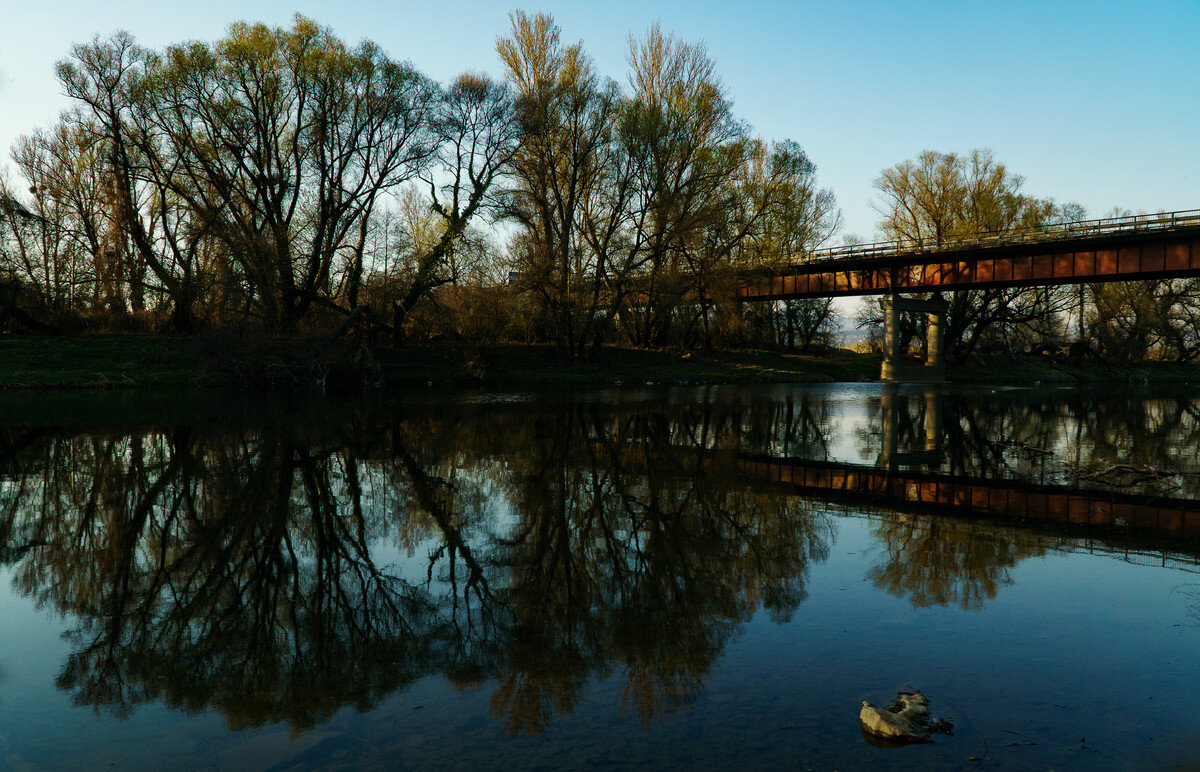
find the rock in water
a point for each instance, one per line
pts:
(905, 720)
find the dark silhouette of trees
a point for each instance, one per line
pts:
(476, 133)
(280, 179)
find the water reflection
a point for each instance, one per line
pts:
(936, 561)
(231, 573)
(247, 570)
(1054, 436)
(281, 568)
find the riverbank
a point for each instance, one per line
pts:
(1035, 370)
(148, 361)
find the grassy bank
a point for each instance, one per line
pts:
(145, 361)
(1029, 370)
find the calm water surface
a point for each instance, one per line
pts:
(704, 577)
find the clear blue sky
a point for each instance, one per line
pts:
(1095, 102)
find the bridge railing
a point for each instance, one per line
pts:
(1164, 221)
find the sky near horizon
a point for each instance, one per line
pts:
(1094, 102)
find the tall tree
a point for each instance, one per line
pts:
(687, 150)
(796, 218)
(940, 197)
(476, 136)
(105, 78)
(282, 141)
(565, 113)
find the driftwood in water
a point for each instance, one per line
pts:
(1128, 475)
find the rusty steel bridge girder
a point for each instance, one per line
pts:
(1116, 255)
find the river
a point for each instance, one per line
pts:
(703, 577)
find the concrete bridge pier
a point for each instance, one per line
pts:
(929, 453)
(895, 369)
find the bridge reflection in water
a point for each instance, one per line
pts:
(907, 477)
(1095, 512)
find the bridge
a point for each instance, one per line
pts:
(1155, 246)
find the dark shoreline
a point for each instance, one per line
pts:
(105, 362)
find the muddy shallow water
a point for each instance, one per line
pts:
(703, 577)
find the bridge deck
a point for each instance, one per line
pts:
(1118, 249)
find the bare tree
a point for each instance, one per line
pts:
(282, 141)
(477, 135)
(787, 217)
(105, 77)
(566, 115)
(687, 150)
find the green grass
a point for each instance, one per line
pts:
(140, 361)
(528, 365)
(1031, 370)
(165, 362)
(101, 361)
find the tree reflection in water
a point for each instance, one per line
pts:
(934, 560)
(938, 561)
(228, 572)
(1042, 437)
(247, 570)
